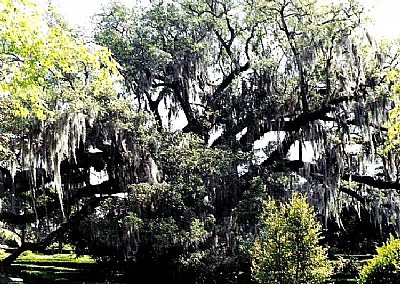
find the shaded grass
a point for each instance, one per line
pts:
(68, 268)
(58, 268)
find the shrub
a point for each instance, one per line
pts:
(384, 267)
(287, 249)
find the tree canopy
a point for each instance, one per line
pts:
(146, 143)
(53, 85)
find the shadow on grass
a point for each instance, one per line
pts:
(62, 268)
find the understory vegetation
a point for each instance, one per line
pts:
(287, 249)
(384, 267)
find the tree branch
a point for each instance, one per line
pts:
(51, 207)
(229, 79)
(293, 125)
(369, 180)
(64, 228)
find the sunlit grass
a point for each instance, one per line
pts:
(56, 268)
(70, 258)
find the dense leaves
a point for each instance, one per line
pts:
(52, 86)
(46, 68)
(384, 267)
(287, 249)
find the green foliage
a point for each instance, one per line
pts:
(52, 85)
(47, 70)
(393, 78)
(287, 250)
(186, 159)
(384, 267)
(56, 246)
(175, 217)
(346, 267)
(8, 235)
(236, 66)
(3, 254)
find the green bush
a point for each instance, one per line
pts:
(384, 267)
(287, 250)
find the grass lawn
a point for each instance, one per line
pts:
(58, 268)
(68, 268)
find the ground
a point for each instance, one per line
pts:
(68, 268)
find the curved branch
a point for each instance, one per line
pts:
(64, 228)
(229, 79)
(51, 207)
(292, 125)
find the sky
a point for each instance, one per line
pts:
(386, 14)
(79, 12)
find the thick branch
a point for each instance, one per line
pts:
(293, 125)
(194, 125)
(51, 207)
(281, 151)
(229, 79)
(354, 194)
(153, 105)
(305, 118)
(368, 180)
